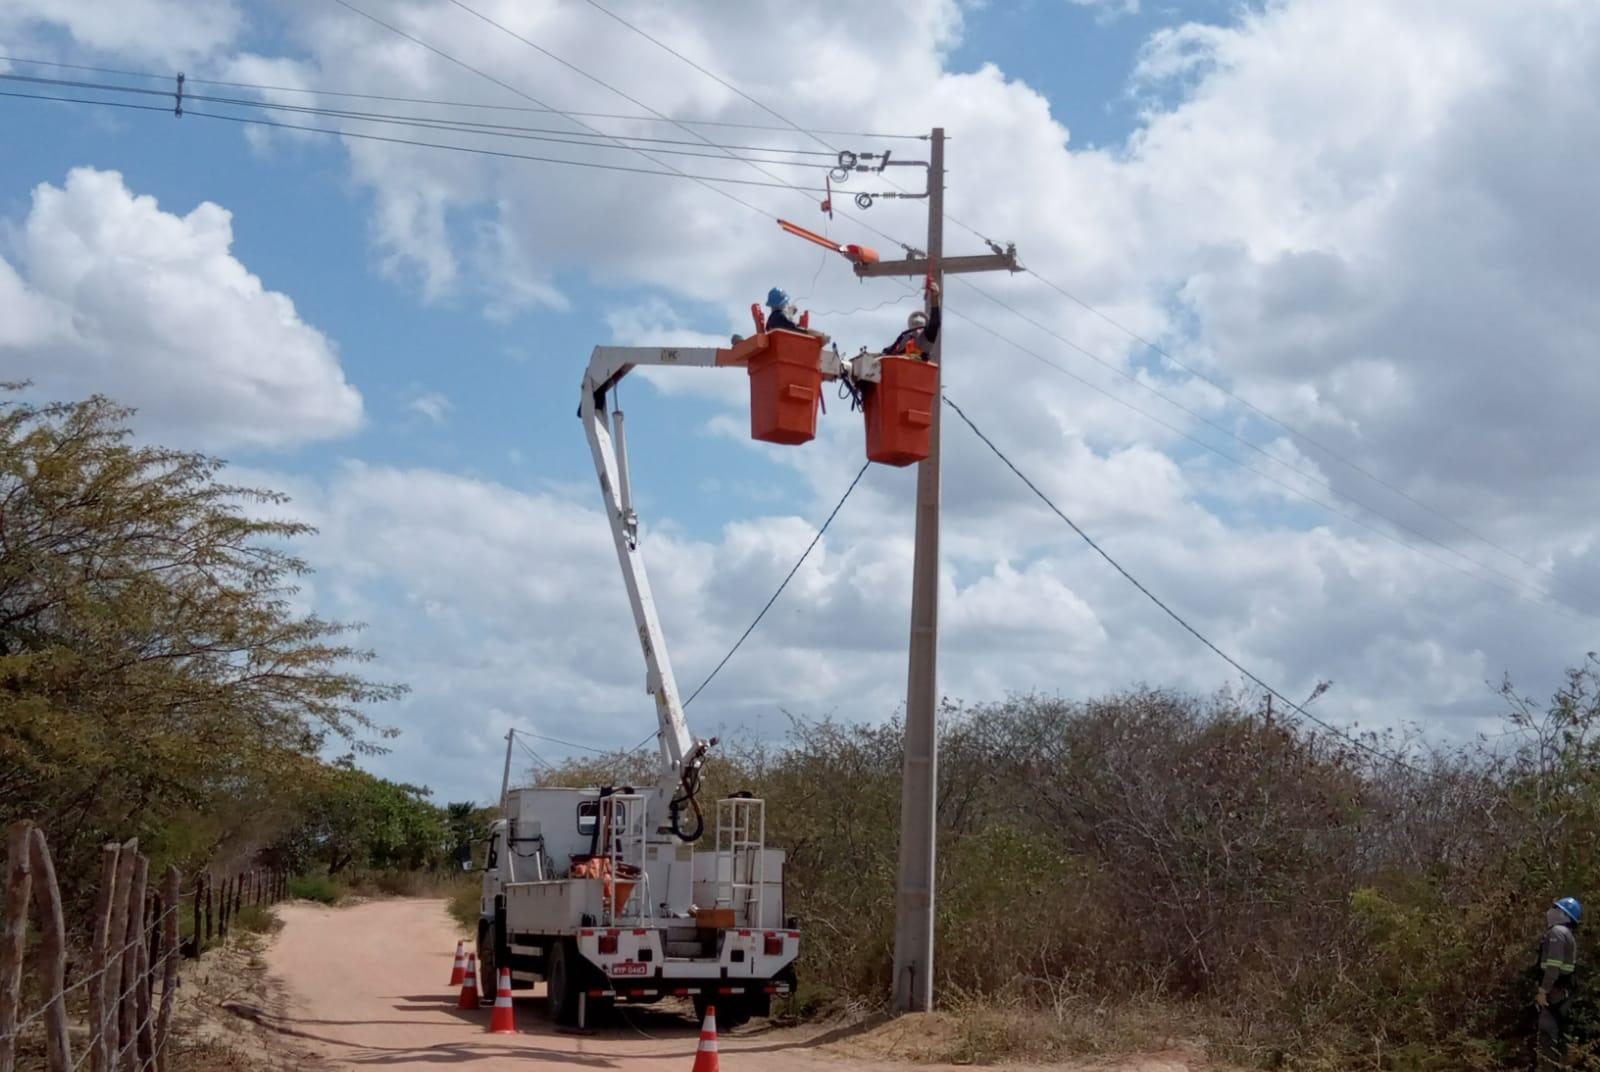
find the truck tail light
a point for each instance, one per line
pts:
(608, 944)
(773, 945)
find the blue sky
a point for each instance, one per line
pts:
(1257, 186)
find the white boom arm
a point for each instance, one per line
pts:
(681, 752)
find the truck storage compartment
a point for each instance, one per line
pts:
(899, 410)
(785, 388)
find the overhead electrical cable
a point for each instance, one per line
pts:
(781, 585)
(536, 757)
(480, 72)
(397, 99)
(566, 137)
(673, 173)
(1174, 615)
(1257, 448)
(1270, 478)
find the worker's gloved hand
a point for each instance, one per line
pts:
(1541, 999)
(933, 290)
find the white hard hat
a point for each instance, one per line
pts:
(917, 319)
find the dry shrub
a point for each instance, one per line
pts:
(1334, 907)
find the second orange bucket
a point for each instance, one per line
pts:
(899, 411)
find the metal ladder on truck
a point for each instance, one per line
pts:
(741, 858)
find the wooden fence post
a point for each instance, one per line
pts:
(112, 1012)
(100, 1053)
(196, 927)
(52, 955)
(169, 976)
(210, 910)
(238, 893)
(133, 947)
(14, 937)
(222, 913)
(145, 1034)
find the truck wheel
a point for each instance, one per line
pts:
(561, 983)
(488, 970)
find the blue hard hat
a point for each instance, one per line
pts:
(1572, 908)
(776, 299)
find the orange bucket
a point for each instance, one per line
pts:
(786, 388)
(899, 411)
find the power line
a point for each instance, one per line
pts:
(464, 65)
(641, 104)
(1257, 448)
(397, 99)
(784, 584)
(709, 74)
(1247, 467)
(1174, 615)
(456, 126)
(557, 740)
(675, 173)
(536, 757)
(1291, 429)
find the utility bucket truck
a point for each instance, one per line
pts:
(634, 894)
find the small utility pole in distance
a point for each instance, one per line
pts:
(914, 915)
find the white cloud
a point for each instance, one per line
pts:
(1370, 218)
(167, 31)
(432, 405)
(105, 292)
(1109, 9)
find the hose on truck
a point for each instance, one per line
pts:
(688, 790)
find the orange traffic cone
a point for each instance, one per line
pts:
(469, 984)
(459, 972)
(705, 1058)
(501, 1021)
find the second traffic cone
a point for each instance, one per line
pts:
(502, 1021)
(469, 984)
(705, 1058)
(459, 972)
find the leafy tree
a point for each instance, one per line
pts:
(153, 667)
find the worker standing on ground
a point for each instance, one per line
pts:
(1558, 959)
(922, 329)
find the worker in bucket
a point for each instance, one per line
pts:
(1558, 959)
(781, 313)
(922, 329)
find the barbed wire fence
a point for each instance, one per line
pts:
(116, 1013)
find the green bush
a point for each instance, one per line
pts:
(257, 920)
(316, 888)
(463, 905)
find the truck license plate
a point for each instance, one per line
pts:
(630, 967)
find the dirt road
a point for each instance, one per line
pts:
(366, 986)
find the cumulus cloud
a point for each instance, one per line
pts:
(1368, 218)
(152, 30)
(104, 292)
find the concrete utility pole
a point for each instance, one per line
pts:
(914, 900)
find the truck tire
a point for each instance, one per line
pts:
(562, 982)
